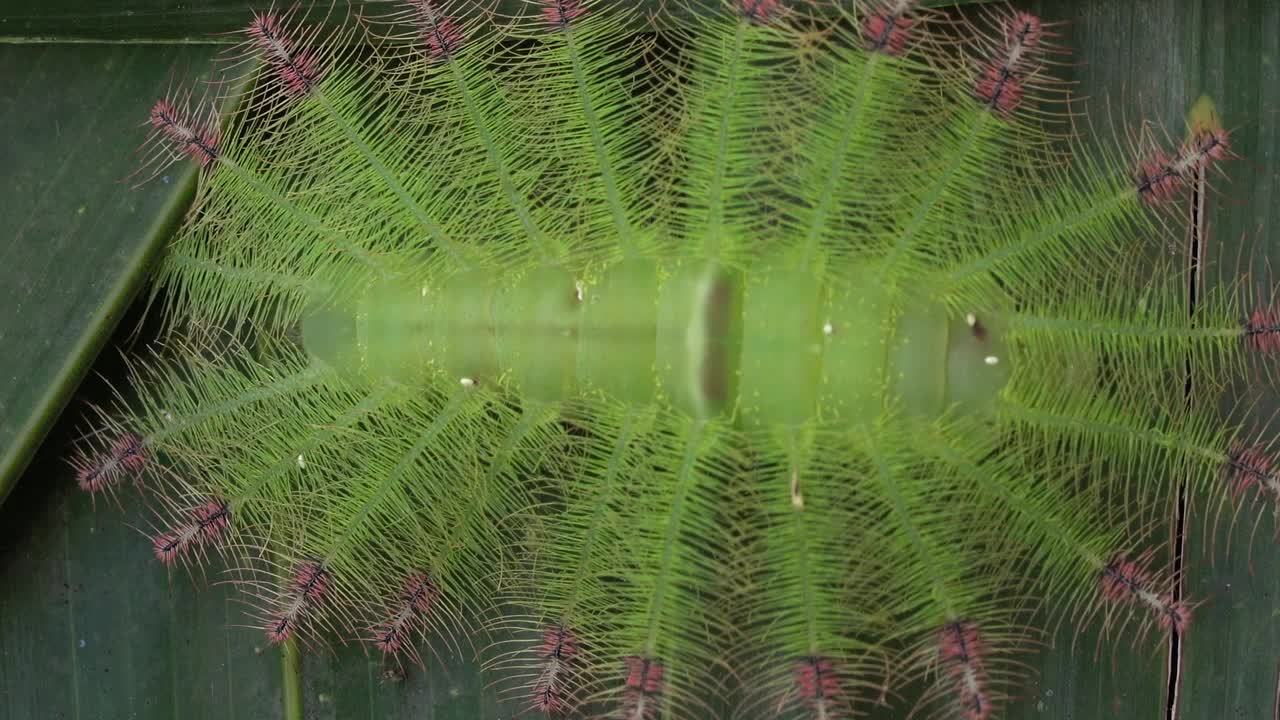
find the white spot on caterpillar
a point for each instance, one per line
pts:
(828, 328)
(991, 360)
(424, 291)
(970, 319)
(467, 382)
(579, 289)
(168, 416)
(302, 462)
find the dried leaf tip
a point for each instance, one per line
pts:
(127, 455)
(887, 28)
(192, 137)
(297, 69)
(560, 13)
(440, 32)
(961, 651)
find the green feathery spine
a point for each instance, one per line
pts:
(737, 364)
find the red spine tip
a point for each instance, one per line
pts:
(1262, 332)
(440, 32)
(280, 629)
(557, 643)
(817, 683)
(168, 546)
(194, 139)
(204, 525)
(998, 88)
(1249, 468)
(643, 686)
(411, 609)
(1024, 31)
(961, 651)
(888, 30)
(1127, 581)
(760, 12)
(557, 649)
(127, 455)
(1157, 179)
(561, 13)
(296, 68)
(310, 580)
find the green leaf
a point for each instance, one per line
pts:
(78, 239)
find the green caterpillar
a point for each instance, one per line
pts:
(659, 349)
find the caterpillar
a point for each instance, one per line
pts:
(655, 349)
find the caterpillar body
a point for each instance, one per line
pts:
(670, 337)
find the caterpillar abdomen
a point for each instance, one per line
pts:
(778, 349)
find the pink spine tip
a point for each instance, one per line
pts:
(961, 650)
(204, 525)
(557, 643)
(298, 70)
(643, 685)
(1208, 145)
(1157, 179)
(414, 604)
(561, 13)
(1127, 581)
(998, 88)
(1024, 31)
(310, 580)
(1247, 468)
(887, 30)
(760, 12)
(307, 588)
(128, 454)
(280, 629)
(557, 649)
(1262, 332)
(440, 32)
(817, 683)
